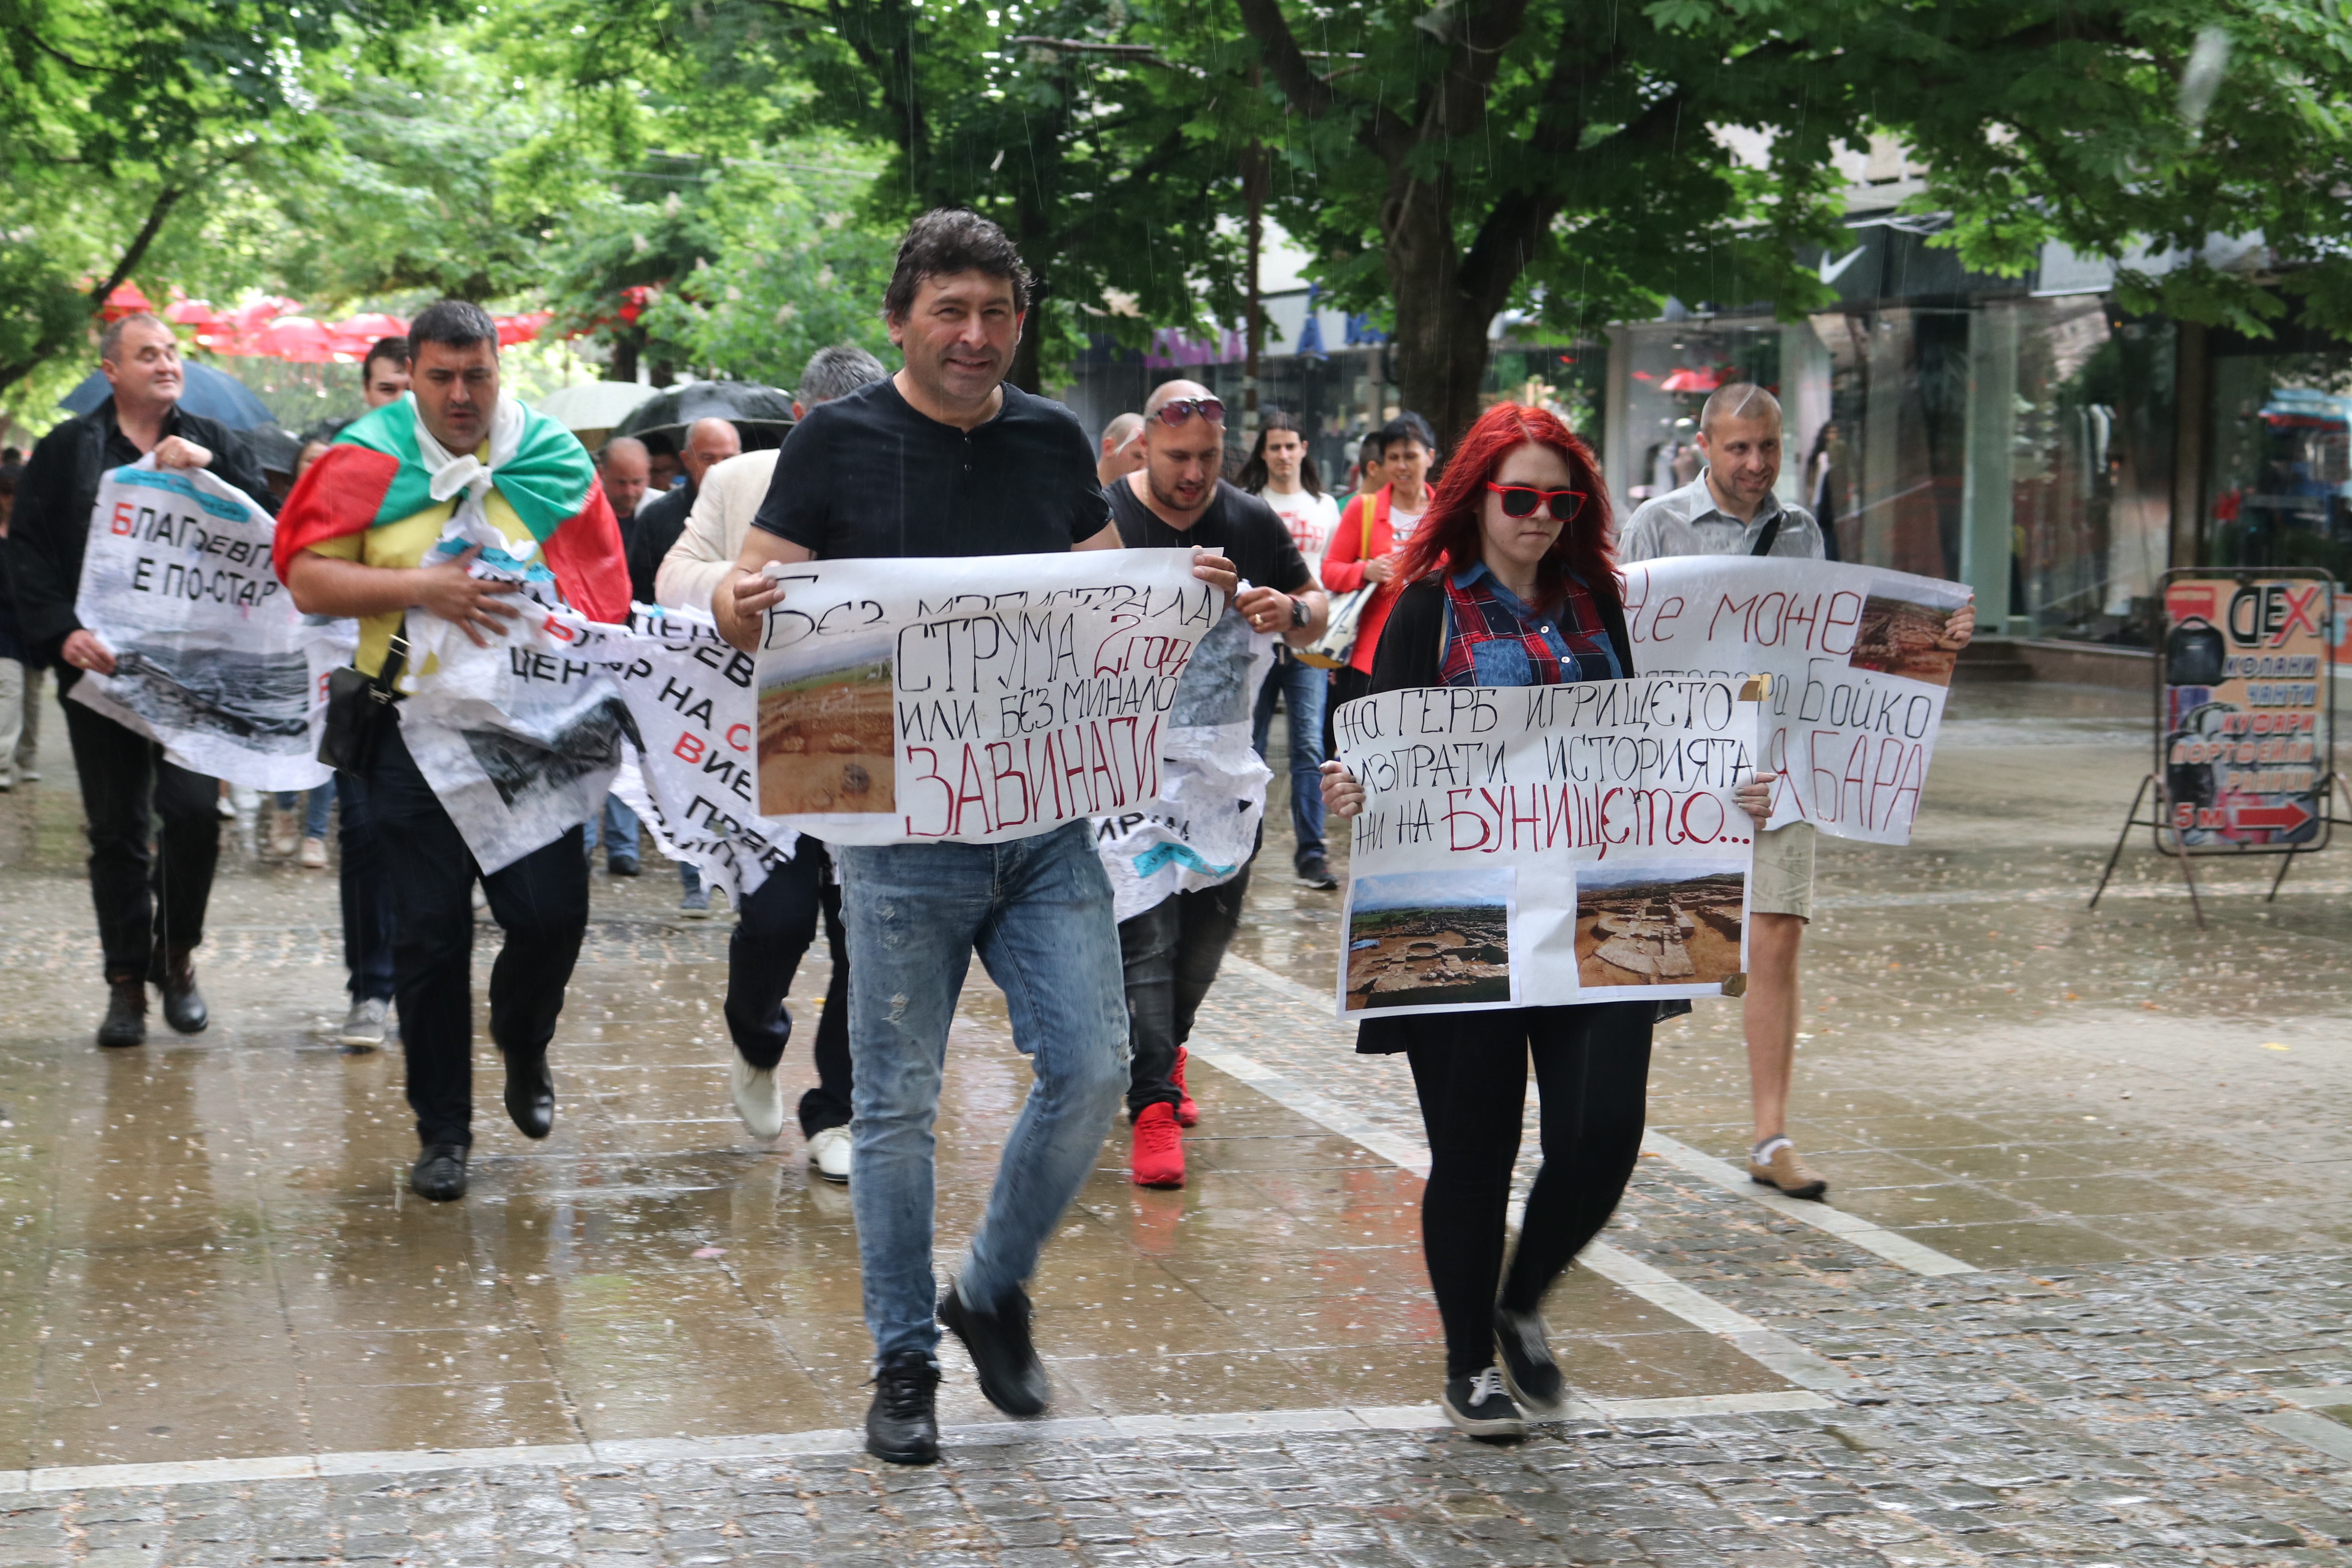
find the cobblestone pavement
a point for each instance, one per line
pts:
(2140, 1355)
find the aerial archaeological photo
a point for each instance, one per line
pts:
(1421, 939)
(1656, 925)
(825, 742)
(1905, 637)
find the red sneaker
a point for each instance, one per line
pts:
(1157, 1157)
(1187, 1113)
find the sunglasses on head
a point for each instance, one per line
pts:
(1177, 410)
(1521, 500)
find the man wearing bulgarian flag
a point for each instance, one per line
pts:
(457, 456)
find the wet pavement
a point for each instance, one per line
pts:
(2079, 1298)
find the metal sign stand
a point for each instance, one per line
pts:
(2209, 613)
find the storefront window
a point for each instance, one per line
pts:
(2090, 470)
(2280, 485)
(1665, 369)
(1890, 465)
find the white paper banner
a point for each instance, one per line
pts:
(212, 659)
(979, 699)
(1201, 829)
(1543, 845)
(1859, 663)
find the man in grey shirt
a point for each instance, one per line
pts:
(1730, 510)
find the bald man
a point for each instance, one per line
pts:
(1121, 451)
(707, 443)
(626, 470)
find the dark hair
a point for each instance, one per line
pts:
(837, 372)
(657, 444)
(948, 240)
(393, 348)
(1254, 472)
(452, 323)
(1449, 536)
(1407, 427)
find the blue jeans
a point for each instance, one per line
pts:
(1303, 688)
(620, 835)
(1039, 911)
(314, 812)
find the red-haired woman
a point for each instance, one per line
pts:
(1512, 585)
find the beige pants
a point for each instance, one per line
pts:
(20, 716)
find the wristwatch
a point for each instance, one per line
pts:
(1299, 615)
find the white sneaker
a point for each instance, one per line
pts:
(759, 1099)
(829, 1152)
(282, 837)
(313, 855)
(364, 1026)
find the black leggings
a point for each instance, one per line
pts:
(1470, 1070)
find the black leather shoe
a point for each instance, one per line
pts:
(439, 1173)
(126, 1012)
(1010, 1378)
(531, 1095)
(183, 1005)
(902, 1425)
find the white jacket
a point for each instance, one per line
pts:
(723, 508)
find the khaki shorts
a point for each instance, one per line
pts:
(1782, 883)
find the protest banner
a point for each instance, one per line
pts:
(1860, 665)
(2246, 722)
(1202, 827)
(212, 659)
(979, 699)
(1543, 846)
(692, 716)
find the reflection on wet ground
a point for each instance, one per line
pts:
(205, 1249)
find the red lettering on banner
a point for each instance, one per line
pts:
(739, 736)
(121, 523)
(688, 749)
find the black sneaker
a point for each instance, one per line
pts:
(1528, 1371)
(439, 1173)
(1482, 1408)
(902, 1425)
(1316, 872)
(1010, 1378)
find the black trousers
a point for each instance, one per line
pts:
(1172, 951)
(774, 928)
(367, 893)
(1593, 1067)
(540, 902)
(149, 902)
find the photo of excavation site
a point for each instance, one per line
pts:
(1427, 939)
(826, 742)
(1905, 637)
(1655, 925)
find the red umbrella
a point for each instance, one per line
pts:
(296, 338)
(126, 300)
(355, 337)
(211, 327)
(1692, 381)
(513, 330)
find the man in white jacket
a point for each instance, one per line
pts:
(777, 924)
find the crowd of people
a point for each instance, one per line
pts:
(1492, 566)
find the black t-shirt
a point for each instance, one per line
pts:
(865, 476)
(1238, 526)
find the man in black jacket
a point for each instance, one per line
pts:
(151, 904)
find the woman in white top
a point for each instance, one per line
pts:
(1281, 474)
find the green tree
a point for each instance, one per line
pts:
(1452, 161)
(123, 122)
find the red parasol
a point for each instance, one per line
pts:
(296, 338)
(1688, 380)
(126, 300)
(522, 329)
(355, 337)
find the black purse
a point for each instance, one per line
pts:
(358, 708)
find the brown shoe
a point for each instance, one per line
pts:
(1788, 1173)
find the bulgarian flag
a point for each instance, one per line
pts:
(376, 473)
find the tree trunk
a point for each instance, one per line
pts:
(1441, 332)
(625, 356)
(60, 333)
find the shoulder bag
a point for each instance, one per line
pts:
(359, 706)
(1330, 651)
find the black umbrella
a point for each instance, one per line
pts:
(761, 414)
(206, 392)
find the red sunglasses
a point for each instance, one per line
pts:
(1521, 500)
(1177, 410)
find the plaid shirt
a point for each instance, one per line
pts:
(1493, 639)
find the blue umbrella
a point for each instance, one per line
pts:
(207, 392)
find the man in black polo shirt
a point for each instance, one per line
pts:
(150, 906)
(944, 459)
(1172, 951)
